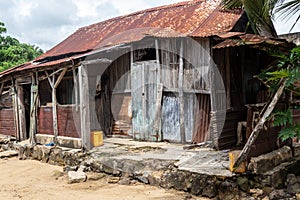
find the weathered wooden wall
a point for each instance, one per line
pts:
(196, 89)
(66, 121)
(114, 83)
(7, 125)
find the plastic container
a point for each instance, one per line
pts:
(97, 138)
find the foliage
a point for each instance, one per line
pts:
(13, 53)
(261, 12)
(288, 69)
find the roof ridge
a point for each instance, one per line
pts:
(168, 6)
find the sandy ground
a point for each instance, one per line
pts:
(29, 179)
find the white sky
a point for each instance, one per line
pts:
(45, 23)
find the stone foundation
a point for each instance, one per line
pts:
(165, 174)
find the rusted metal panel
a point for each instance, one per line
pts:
(202, 121)
(66, 121)
(191, 18)
(247, 39)
(7, 126)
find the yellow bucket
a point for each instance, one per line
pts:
(97, 138)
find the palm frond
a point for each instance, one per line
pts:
(232, 4)
(289, 9)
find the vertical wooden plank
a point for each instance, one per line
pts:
(84, 107)
(33, 108)
(75, 80)
(181, 97)
(144, 107)
(15, 108)
(21, 113)
(228, 89)
(157, 120)
(54, 114)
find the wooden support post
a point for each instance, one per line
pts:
(259, 126)
(159, 95)
(33, 108)
(157, 120)
(54, 84)
(21, 112)
(15, 109)
(54, 113)
(84, 107)
(181, 95)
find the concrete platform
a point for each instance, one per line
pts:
(198, 160)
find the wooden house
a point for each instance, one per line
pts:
(181, 72)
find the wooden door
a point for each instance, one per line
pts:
(144, 91)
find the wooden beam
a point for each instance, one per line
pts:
(181, 95)
(60, 77)
(259, 126)
(49, 79)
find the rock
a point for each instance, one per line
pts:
(125, 181)
(95, 176)
(113, 180)
(293, 184)
(256, 192)
(166, 181)
(296, 147)
(57, 174)
(265, 198)
(196, 189)
(295, 188)
(56, 157)
(76, 177)
(8, 154)
(210, 190)
(155, 178)
(45, 153)
(243, 183)
(291, 179)
(277, 194)
(70, 168)
(144, 178)
(298, 196)
(228, 191)
(270, 160)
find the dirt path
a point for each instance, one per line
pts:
(28, 179)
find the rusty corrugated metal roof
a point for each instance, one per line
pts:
(248, 39)
(195, 18)
(198, 18)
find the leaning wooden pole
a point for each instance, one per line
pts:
(259, 126)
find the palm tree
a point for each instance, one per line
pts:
(261, 12)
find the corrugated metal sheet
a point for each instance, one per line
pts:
(247, 39)
(196, 18)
